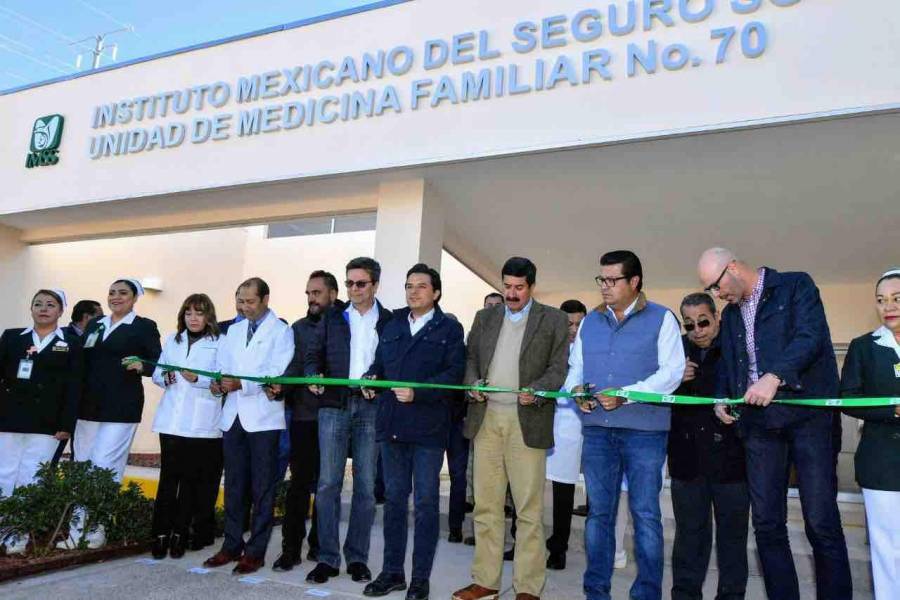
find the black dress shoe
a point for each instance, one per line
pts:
(556, 561)
(177, 547)
(580, 511)
(469, 541)
(510, 554)
(455, 536)
(359, 572)
(418, 590)
(384, 584)
(322, 573)
(287, 561)
(160, 547)
(313, 554)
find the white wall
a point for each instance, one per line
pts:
(213, 262)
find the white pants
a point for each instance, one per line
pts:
(20, 456)
(883, 521)
(104, 444)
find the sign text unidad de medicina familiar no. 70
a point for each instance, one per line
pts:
(746, 39)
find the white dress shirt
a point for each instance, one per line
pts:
(363, 339)
(39, 343)
(416, 325)
(109, 326)
(669, 351)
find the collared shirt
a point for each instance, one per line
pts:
(363, 339)
(109, 327)
(515, 317)
(749, 308)
(627, 312)
(885, 337)
(252, 325)
(416, 325)
(39, 343)
(669, 350)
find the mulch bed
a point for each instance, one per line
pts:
(12, 567)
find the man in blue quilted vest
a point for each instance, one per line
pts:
(630, 343)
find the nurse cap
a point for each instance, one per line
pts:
(135, 282)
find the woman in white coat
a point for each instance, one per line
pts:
(190, 441)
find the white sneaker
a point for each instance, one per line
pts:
(15, 544)
(621, 560)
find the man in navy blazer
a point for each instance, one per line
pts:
(419, 344)
(776, 345)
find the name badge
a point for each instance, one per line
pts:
(25, 367)
(897, 370)
(91, 340)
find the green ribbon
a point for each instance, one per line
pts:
(643, 397)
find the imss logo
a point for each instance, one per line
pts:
(45, 137)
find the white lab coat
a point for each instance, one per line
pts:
(564, 458)
(268, 354)
(188, 409)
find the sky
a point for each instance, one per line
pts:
(39, 39)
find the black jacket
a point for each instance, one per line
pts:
(436, 354)
(112, 393)
(792, 342)
(700, 444)
(869, 370)
(47, 402)
(305, 404)
(328, 351)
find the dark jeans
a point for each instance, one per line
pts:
(409, 467)
(563, 504)
(809, 444)
(284, 446)
(694, 502)
(189, 476)
(457, 463)
(339, 429)
(607, 454)
(304, 475)
(253, 458)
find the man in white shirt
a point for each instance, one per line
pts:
(630, 343)
(252, 420)
(343, 346)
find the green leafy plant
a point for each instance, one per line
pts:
(45, 509)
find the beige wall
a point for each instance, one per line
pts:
(850, 308)
(213, 262)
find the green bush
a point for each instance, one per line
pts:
(44, 509)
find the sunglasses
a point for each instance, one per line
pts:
(356, 284)
(714, 286)
(701, 324)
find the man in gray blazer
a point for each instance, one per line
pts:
(522, 345)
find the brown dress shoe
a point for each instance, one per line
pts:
(475, 592)
(524, 596)
(248, 565)
(218, 559)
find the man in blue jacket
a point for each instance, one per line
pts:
(343, 346)
(419, 344)
(776, 345)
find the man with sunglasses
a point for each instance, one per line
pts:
(706, 464)
(776, 344)
(631, 343)
(343, 346)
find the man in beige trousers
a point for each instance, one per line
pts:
(523, 344)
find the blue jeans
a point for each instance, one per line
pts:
(809, 444)
(338, 430)
(284, 447)
(607, 454)
(409, 467)
(250, 462)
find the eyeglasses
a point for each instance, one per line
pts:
(356, 284)
(608, 281)
(714, 286)
(701, 324)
